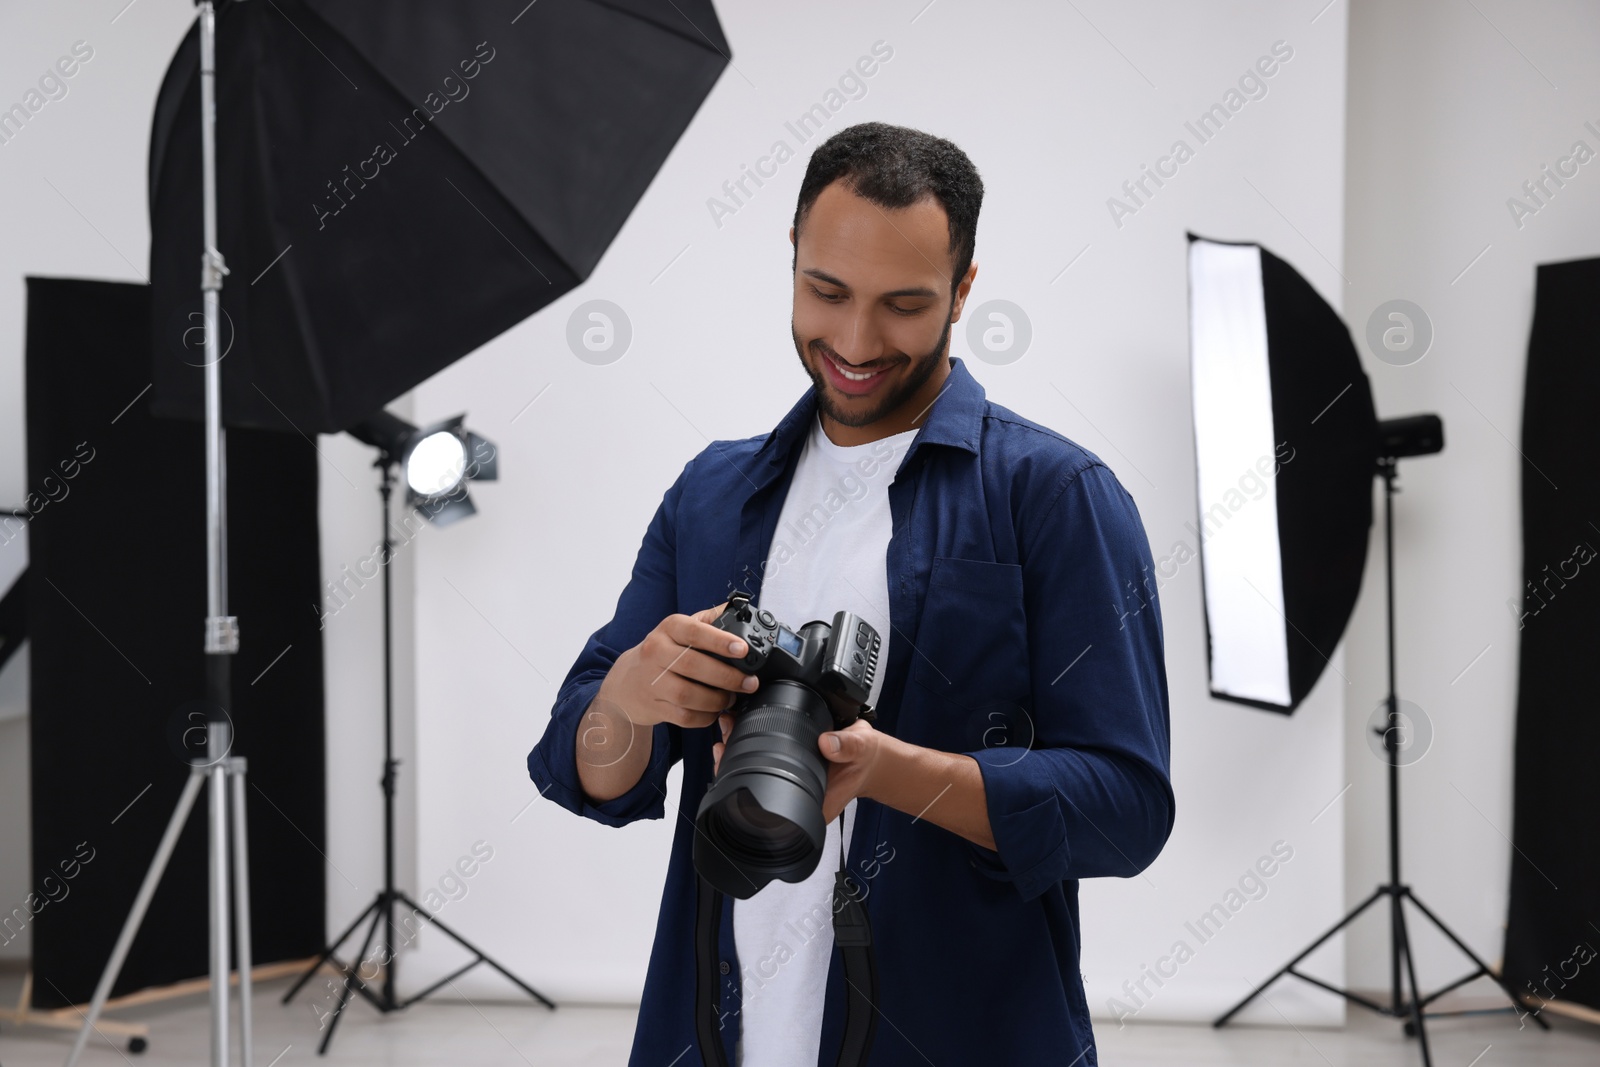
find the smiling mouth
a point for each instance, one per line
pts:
(850, 374)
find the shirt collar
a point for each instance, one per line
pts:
(955, 419)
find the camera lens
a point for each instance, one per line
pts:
(752, 829)
(762, 819)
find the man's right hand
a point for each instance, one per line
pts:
(668, 677)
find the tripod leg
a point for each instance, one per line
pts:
(352, 975)
(1396, 937)
(327, 953)
(1340, 925)
(241, 906)
(464, 943)
(219, 912)
(141, 903)
(1473, 956)
(1411, 973)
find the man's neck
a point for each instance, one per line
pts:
(908, 416)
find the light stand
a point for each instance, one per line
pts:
(1411, 1009)
(381, 910)
(218, 769)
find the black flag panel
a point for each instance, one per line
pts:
(116, 602)
(1552, 943)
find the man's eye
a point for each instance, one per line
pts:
(904, 311)
(831, 298)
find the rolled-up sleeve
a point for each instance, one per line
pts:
(650, 596)
(1093, 795)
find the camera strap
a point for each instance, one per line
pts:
(852, 933)
(707, 1023)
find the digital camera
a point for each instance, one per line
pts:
(762, 817)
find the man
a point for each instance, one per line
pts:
(1022, 740)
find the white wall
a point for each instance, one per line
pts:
(1451, 110)
(1056, 118)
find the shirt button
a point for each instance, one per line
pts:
(723, 967)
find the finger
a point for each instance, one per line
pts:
(692, 696)
(699, 667)
(710, 614)
(699, 633)
(687, 718)
(726, 722)
(841, 746)
(716, 758)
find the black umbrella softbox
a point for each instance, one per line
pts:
(400, 182)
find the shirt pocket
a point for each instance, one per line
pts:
(970, 661)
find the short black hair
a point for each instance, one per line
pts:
(895, 167)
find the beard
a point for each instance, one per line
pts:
(922, 368)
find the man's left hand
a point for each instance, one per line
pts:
(852, 764)
(856, 755)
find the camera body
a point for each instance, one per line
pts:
(762, 816)
(838, 660)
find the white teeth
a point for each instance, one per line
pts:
(855, 377)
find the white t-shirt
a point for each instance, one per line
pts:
(828, 554)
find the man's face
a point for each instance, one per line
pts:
(873, 305)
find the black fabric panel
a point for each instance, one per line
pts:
(1322, 409)
(116, 603)
(1552, 944)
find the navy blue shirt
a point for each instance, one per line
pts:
(1026, 634)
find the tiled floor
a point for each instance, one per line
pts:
(483, 1035)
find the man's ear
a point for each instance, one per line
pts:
(791, 235)
(962, 290)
